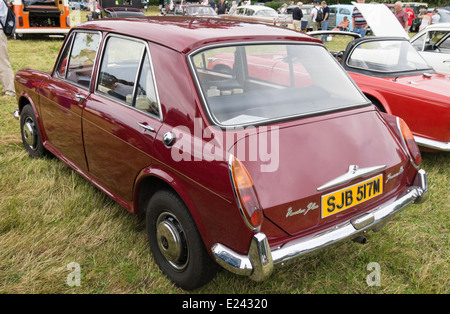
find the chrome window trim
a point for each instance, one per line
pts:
(213, 119)
(76, 32)
(145, 51)
(55, 70)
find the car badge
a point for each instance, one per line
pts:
(311, 206)
(392, 176)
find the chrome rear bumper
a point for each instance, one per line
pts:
(425, 142)
(261, 259)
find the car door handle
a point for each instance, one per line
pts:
(80, 98)
(445, 61)
(146, 127)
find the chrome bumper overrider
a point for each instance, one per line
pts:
(261, 259)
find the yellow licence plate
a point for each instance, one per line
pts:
(343, 199)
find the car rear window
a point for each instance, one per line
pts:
(251, 84)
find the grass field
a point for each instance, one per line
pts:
(51, 217)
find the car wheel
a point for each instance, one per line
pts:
(31, 137)
(176, 243)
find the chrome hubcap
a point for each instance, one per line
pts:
(29, 133)
(171, 240)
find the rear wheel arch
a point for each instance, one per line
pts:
(166, 213)
(147, 186)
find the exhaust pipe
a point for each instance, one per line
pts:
(360, 240)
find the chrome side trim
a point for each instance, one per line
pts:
(442, 146)
(261, 260)
(353, 172)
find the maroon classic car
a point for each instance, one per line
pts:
(227, 169)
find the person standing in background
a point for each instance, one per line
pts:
(411, 16)
(222, 7)
(6, 72)
(315, 9)
(359, 22)
(297, 16)
(435, 17)
(401, 15)
(426, 19)
(326, 15)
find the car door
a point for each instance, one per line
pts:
(63, 95)
(437, 50)
(122, 116)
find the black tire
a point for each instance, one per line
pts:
(31, 136)
(175, 242)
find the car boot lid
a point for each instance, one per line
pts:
(381, 20)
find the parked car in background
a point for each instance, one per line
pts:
(120, 8)
(77, 5)
(392, 74)
(41, 17)
(433, 44)
(337, 13)
(139, 108)
(285, 19)
(193, 10)
(253, 13)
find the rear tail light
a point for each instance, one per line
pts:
(20, 21)
(409, 142)
(245, 194)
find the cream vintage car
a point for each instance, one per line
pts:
(433, 44)
(254, 13)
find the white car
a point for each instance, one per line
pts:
(433, 44)
(254, 13)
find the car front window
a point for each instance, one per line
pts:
(387, 56)
(82, 58)
(252, 84)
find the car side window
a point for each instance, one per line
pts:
(119, 68)
(146, 98)
(62, 64)
(82, 58)
(419, 42)
(126, 75)
(445, 45)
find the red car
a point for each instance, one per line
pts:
(395, 77)
(228, 168)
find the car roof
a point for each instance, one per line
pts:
(444, 26)
(342, 6)
(185, 34)
(256, 7)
